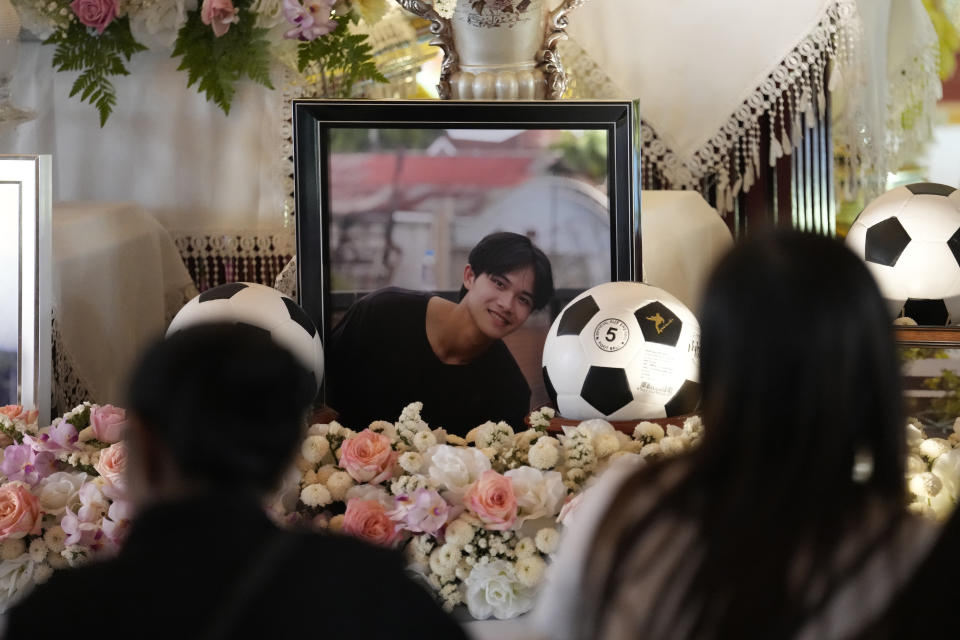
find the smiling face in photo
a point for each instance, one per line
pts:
(499, 303)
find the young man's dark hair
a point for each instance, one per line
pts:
(505, 251)
(216, 414)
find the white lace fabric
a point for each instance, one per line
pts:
(775, 63)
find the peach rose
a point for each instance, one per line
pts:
(19, 511)
(108, 423)
(112, 465)
(368, 520)
(11, 410)
(368, 457)
(492, 499)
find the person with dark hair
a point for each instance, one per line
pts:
(788, 520)
(216, 413)
(395, 346)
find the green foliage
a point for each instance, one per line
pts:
(80, 420)
(217, 64)
(947, 406)
(344, 58)
(97, 58)
(583, 154)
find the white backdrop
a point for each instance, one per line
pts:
(164, 147)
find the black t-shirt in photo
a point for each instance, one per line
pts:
(379, 360)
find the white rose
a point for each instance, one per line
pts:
(314, 448)
(594, 428)
(673, 431)
(914, 435)
(370, 492)
(315, 495)
(547, 540)
(539, 493)
(530, 570)
(947, 469)
(15, 577)
(156, 24)
(59, 490)
(323, 473)
(915, 465)
(494, 589)
(455, 469)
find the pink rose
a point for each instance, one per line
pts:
(11, 410)
(368, 457)
(112, 465)
(492, 499)
(219, 15)
(108, 423)
(95, 13)
(368, 520)
(19, 511)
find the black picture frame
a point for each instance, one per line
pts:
(313, 120)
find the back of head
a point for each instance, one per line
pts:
(504, 251)
(798, 367)
(227, 402)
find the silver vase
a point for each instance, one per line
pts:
(499, 49)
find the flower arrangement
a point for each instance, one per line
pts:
(477, 517)
(61, 493)
(219, 42)
(933, 471)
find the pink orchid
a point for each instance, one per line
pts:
(218, 15)
(422, 512)
(21, 462)
(310, 19)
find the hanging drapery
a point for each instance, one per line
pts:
(718, 82)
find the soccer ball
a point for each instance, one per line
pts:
(910, 240)
(623, 351)
(262, 307)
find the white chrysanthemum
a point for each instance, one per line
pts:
(444, 560)
(606, 444)
(302, 464)
(318, 429)
(336, 523)
(651, 450)
(323, 473)
(922, 509)
(407, 484)
(338, 484)
(693, 425)
(671, 446)
(525, 547)
(423, 440)
(547, 540)
(57, 561)
(411, 462)
(544, 454)
(42, 573)
(12, 548)
(673, 431)
(316, 495)
(576, 475)
(314, 448)
(530, 570)
(647, 432)
(925, 485)
(38, 550)
(56, 538)
(459, 532)
(933, 448)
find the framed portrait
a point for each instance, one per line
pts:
(397, 193)
(25, 241)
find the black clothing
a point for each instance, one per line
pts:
(379, 360)
(217, 563)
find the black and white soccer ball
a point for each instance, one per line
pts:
(623, 351)
(262, 307)
(910, 240)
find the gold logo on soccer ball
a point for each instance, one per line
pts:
(659, 323)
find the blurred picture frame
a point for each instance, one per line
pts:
(395, 193)
(25, 282)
